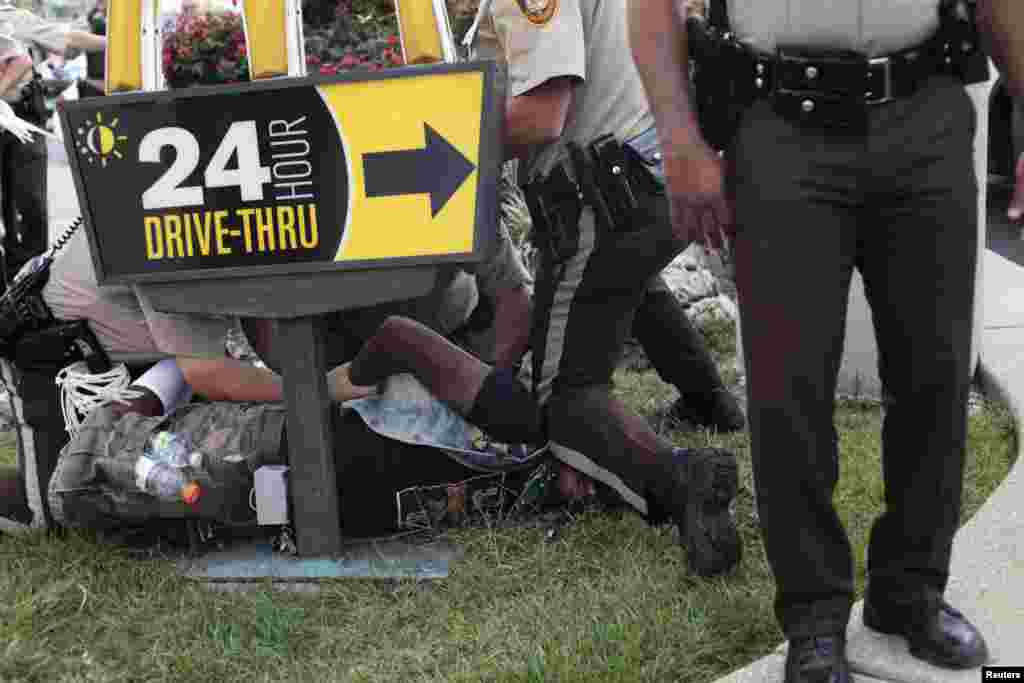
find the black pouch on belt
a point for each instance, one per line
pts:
(821, 89)
(613, 174)
(555, 206)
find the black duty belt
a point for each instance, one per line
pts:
(835, 89)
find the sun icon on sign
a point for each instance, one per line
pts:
(98, 140)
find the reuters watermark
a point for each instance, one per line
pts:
(1002, 673)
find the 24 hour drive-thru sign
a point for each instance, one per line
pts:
(287, 176)
(288, 197)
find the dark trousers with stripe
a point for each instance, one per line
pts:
(584, 311)
(39, 426)
(674, 346)
(24, 210)
(898, 203)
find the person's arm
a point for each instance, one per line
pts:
(227, 379)
(693, 171)
(537, 117)
(1001, 23)
(13, 71)
(545, 60)
(83, 40)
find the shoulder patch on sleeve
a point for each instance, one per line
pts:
(538, 12)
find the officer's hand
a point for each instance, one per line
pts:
(700, 212)
(1016, 210)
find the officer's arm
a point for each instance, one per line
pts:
(657, 38)
(537, 117)
(227, 379)
(83, 40)
(1001, 23)
(14, 70)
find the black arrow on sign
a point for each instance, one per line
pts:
(438, 169)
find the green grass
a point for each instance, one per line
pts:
(609, 601)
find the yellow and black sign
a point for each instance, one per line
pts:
(290, 175)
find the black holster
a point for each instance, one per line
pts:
(607, 176)
(59, 345)
(555, 203)
(32, 104)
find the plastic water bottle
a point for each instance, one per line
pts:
(166, 482)
(169, 448)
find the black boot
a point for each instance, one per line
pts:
(706, 483)
(15, 515)
(818, 659)
(935, 632)
(717, 409)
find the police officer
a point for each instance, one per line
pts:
(570, 80)
(841, 162)
(676, 349)
(23, 166)
(129, 330)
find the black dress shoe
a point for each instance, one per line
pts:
(935, 632)
(819, 659)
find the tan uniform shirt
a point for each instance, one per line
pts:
(871, 27)
(29, 28)
(127, 328)
(586, 40)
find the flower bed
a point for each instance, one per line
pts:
(361, 35)
(205, 48)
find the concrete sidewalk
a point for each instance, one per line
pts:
(988, 556)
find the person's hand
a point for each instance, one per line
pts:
(340, 387)
(695, 185)
(10, 122)
(19, 127)
(1016, 210)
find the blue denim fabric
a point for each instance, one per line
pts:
(407, 412)
(647, 145)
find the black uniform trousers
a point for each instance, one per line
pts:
(898, 203)
(675, 347)
(23, 192)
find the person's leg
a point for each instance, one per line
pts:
(35, 408)
(583, 312)
(678, 353)
(923, 318)
(27, 190)
(795, 199)
(10, 237)
(494, 400)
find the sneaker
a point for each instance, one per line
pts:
(720, 411)
(707, 480)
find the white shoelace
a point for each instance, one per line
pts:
(82, 391)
